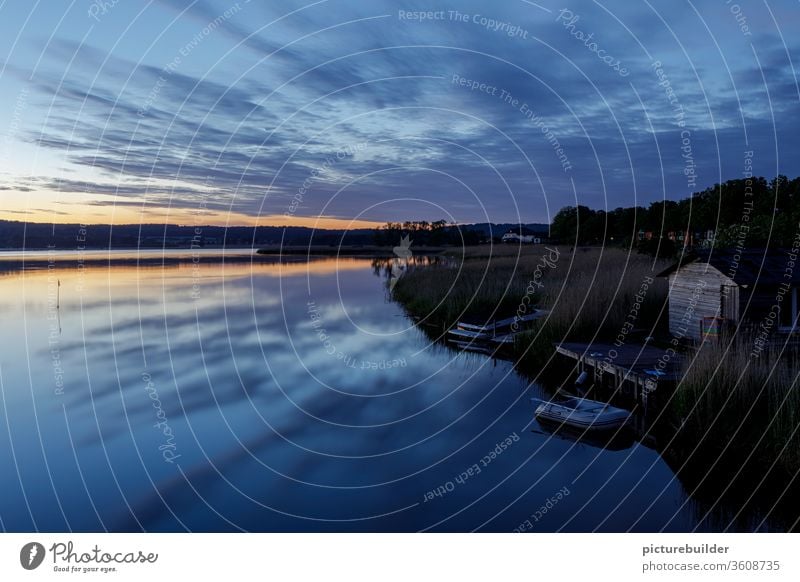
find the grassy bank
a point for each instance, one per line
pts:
(738, 420)
(590, 292)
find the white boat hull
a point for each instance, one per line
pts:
(583, 414)
(502, 324)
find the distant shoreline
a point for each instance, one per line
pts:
(345, 250)
(15, 259)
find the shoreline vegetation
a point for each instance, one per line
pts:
(372, 251)
(731, 426)
(737, 422)
(588, 291)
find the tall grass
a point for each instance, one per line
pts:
(731, 405)
(590, 292)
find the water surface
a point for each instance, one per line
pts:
(280, 396)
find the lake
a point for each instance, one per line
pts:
(210, 395)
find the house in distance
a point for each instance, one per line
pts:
(520, 238)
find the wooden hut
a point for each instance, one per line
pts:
(755, 289)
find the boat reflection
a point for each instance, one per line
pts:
(617, 440)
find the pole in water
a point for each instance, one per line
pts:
(58, 305)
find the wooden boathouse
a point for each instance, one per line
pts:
(723, 290)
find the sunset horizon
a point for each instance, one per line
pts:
(188, 218)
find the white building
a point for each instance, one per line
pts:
(513, 237)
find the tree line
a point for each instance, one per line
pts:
(424, 233)
(746, 212)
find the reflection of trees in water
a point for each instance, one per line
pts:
(387, 266)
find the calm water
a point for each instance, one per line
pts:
(280, 397)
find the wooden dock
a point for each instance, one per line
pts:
(635, 370)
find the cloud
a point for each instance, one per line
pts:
(256, 113)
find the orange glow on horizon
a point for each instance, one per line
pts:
(96, 280)
(123, 216)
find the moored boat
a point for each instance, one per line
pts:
(466, 335)
(581, 413)
(498, 333)
(479, 348)
(502, 325)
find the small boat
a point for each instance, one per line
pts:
(491, 337)
(499, 332)
(491, 328)
(507, 339)
(582, 413)
(474, 347)
(463, 335)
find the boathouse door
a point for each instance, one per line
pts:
(729, 303)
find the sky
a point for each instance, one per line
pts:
(344, 113)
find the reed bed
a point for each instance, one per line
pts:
(591, 293)
(737, 411)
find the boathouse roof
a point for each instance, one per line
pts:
(748, 266)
